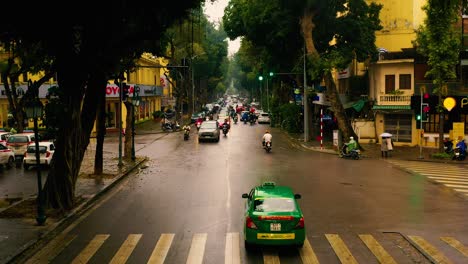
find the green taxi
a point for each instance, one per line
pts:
(273, 217)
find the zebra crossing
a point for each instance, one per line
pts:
(232, 249)
(453, 176)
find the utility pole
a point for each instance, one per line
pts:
(305, 102)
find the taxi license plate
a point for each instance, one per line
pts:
(276, 236)
(275, 226)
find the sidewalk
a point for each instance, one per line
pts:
(18, 229)
(17, 235)
(372, 151)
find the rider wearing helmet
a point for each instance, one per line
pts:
(266, 137)
(350, 145)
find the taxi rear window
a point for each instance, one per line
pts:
(274, 205)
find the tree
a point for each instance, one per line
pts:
(439, 40)
(87, 49)
(333, 32)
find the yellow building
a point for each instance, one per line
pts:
(392, 77)
(149, 77)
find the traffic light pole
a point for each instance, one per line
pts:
(420, 127)
(120, 164)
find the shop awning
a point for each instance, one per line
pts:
(391, 107)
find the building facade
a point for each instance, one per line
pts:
(149, 77)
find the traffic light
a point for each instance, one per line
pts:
(271, 74)
(125, 89)
(425, 107)
(260, 78)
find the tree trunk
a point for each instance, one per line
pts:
(307, 27)
(128, 132)
(100, 132)
(343, 123)
(73, 137)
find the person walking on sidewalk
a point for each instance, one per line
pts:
(389, 145)
(384, 147)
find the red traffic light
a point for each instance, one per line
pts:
(426, 109)
(426, 95)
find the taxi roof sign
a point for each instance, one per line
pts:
(269, 184)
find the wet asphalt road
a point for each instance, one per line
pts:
(192, 188)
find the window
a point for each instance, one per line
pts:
(389, 83)
(274, 205)
(405, 82)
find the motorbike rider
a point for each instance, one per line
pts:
(462, 146)
(267, 138)
(186, 128)
(351, 145)
(226, 123)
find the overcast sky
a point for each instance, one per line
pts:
(215, 12)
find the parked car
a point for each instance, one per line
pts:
(209, 130)
(19, 143)
(7, 157)
(3, 137)
(273, 217)
(264, 118)
(46, 152)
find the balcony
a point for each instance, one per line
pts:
(390, 99)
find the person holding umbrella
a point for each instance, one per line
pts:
(386, 144)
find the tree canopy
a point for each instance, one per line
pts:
(88, 45)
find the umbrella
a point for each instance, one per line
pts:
(385, 134)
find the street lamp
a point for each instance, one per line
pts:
(135, 103)
(33, 110)
(260, 78)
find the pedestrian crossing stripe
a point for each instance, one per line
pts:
(437, 256)
(456, 244)
(197, 249)
(232, 249)
(341, 250)
(162, 247)
(90, 249)
(378, 251)
(450, 176)
(126, 249)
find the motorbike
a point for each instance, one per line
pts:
(458, 154)
(186, 134)
(198, 124)
(353, 154)
(225, 130)
(448, 146)
(267, 146)
(252, 120)
(235, 119)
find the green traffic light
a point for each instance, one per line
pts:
(260, 78)
(418, 117)
(271, 73)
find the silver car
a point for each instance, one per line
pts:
(209, 130)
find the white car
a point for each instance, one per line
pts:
(3, 137)
(7, 157)
(46, 152)
(264, 118)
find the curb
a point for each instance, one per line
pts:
(49, 233)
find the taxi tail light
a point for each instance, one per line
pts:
(47, 154)
(300, 225)
(249, 223)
